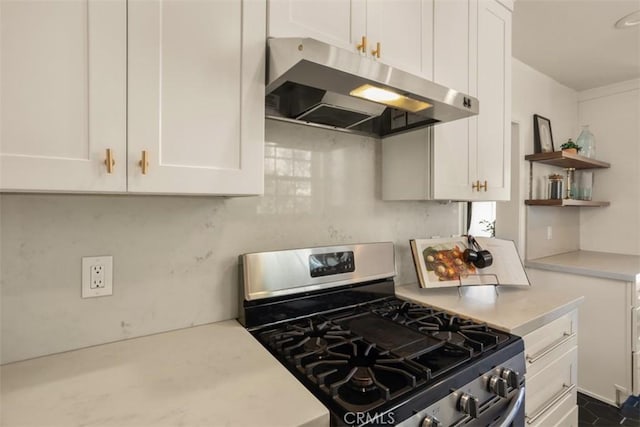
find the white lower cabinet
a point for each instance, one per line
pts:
(551, 357)
(563, 414)
(609, 333)
(570, 419)
(90, 88)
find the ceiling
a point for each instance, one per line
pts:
(575, 41)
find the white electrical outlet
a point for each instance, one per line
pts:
(97, 276)
(549, 232)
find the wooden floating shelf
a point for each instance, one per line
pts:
(565, 202)
(567, 160)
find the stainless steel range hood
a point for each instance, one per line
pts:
(314, 83)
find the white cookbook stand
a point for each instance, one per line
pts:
(506, 270)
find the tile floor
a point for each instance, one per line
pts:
(592, 412)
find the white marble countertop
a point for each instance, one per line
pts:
(518, 310)
(589, 263)
(211, 375)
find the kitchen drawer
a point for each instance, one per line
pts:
(563, 413)
(545, 344)
(571, 419)
(551, 386)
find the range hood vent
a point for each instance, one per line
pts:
(311, 82)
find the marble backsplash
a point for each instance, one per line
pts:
(175, 258)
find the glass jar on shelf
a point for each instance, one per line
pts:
(554, 189)
(571, 188)
(587, 142)
(586, 185)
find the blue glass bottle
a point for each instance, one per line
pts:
(587, 141)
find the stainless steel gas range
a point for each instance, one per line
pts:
(329, 314)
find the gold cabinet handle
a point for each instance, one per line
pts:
(477, 186)
(109, 162)
(376, 52)
(144, 163)
(362, 46)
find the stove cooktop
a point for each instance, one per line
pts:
(373, 356)
(330, 316)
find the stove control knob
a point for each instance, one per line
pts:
(498, 386)
(430, 421)
(511, 377)
(469, 405)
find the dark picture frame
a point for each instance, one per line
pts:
(542, 135)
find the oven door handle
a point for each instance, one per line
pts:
(512, 410)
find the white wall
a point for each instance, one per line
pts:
(536, 93)
(175, 258)
(613, 116)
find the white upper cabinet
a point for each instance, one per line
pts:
(196, 103)
(398, 33)
(341, 23)
(62, 95)
(494, 93)
(404, 31)
(466, 159)
(180, 81)
(454, 144)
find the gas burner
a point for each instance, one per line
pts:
(402, 311)
(362, 378)
(310, 336)
(358, 375)
(315, 344)
(476, 336)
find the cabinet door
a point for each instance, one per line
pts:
(196, 96)
(341, 23)
(494, 93)
(410, 49)
(454, 145)
(62, 95)
(556, 383)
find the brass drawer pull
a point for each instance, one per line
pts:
(144, 163)
(565, 338)
(376, 51)
(109, 162)
(362, 46)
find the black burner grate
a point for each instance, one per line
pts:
(359, 376)
(369, 357)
